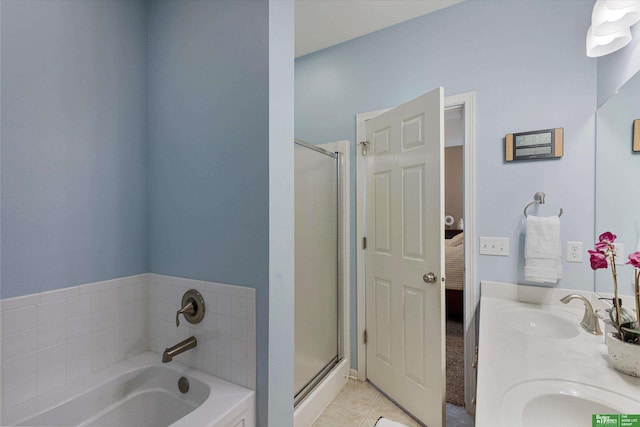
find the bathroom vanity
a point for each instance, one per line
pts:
(538, 367)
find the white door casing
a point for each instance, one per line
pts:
(405, 205)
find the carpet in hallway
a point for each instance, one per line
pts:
(455, 362)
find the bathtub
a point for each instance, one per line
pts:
(143, 392)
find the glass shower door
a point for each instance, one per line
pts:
(316, 266)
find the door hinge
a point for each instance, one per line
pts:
(364, 144)
(365, 336)
(474, 365)
(364, 243)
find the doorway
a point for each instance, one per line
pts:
(463, 106)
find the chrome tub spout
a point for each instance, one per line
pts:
(181, 347)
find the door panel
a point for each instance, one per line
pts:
(405, 204)
(412, 215)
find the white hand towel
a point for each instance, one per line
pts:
(542, 250)
(385, 422)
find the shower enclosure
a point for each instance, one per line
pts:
(318, 340)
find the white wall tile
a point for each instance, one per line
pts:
(106, 338)
(251, 377)
(58, 294)
(19, 391)
(168, 294)
(223, 325)
(15, 345)
(103, 358)
(239, 307)
(104, 299)
(230, 312)
(52, 356)
(52, 334)
(104, 319)
(78, 326)
(78, 347)
(223, 348)
(239, 351)
(19, 319)
(78, 305)
(19, 302)
(126, 293)
(18, 368)
(52, 312)
(78, 368)
(48, 337)
(224, 368)
(239, 373)
(239, 329)
(223, 305)
(51, 379)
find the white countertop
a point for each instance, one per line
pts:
(507, 357)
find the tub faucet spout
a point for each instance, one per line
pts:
(181, 347)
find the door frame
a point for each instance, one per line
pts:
(467, 102)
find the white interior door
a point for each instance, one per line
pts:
(405, 207)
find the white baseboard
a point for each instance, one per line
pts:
(312, 406)
(353, 374)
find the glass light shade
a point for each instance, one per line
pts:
(604, 45)
(606, 20)
(622, 4)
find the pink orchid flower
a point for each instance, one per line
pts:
(598, 260)
(608, 237)
(634, 259)
(605, 241)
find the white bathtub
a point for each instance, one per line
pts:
(143, 392)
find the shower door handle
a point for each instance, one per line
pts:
(429, 278)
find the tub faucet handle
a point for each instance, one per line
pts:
(192, 307)
(187, 309)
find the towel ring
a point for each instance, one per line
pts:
(538, 198)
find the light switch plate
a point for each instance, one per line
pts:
(497, 246)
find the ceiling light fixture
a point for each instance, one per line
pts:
(604, 45)
(611, 21)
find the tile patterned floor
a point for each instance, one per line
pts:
(360, 405)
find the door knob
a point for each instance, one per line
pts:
(429, 278)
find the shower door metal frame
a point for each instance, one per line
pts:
(310, 386)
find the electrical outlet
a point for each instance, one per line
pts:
(498, 246)
(574, 251)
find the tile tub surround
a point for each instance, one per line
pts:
(226, 335)
(52, 338)
(507, 358)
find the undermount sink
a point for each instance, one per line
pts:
(547, 402)
(539, 323)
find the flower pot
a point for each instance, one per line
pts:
(624, 356)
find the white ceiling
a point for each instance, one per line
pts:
(323, 23)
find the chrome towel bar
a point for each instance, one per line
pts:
(538, 198)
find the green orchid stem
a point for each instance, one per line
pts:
(612, 258)
(637, 289)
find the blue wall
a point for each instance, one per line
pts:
(526, 62)
(74, 143)
(208, 133)
(209, 154)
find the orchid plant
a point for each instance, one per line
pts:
(603, 255)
